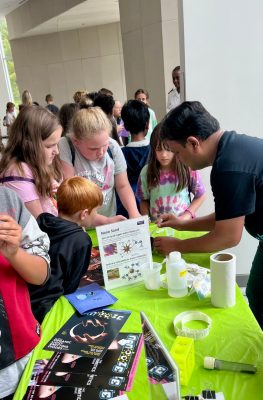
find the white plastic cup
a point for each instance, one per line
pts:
(152, 279)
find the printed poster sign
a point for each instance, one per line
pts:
(124, 247)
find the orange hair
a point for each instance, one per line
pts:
(78, 193)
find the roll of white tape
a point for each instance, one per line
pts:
(223, 279)
(182, 330)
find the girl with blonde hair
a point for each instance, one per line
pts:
(26, 98)
(90, 152)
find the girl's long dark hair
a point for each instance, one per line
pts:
(25, 144)
(153, 172)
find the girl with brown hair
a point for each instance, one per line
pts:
(166, 185)
(30, 164)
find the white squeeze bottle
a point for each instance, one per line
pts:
(176, 275)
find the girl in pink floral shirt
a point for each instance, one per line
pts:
(165, 185)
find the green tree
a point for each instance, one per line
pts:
(9, 61)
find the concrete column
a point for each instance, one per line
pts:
(150, 39)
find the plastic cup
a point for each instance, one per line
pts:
(152, 280)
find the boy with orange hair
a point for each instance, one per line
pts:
(70, 246)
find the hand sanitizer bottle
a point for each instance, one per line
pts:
(176, 275)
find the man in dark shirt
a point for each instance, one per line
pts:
(237, 184)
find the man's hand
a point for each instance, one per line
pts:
(10, 236)
(165, 245)
(170, 221)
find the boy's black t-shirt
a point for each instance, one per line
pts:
(237, 180)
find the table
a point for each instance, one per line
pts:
(234, 336)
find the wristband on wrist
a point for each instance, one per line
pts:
(190, 212)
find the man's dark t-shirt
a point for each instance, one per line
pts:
(237, 180)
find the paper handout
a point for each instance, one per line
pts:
(124, 247)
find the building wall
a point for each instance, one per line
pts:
(64, 62)
(222, 61)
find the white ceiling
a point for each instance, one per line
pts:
(88, 13)
(6, 6)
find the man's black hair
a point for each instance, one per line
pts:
(135, 115)
(188, 119)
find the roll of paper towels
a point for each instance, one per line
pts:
(223, 279)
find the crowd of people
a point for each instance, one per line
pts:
(94, 162)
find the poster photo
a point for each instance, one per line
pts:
(124, 247)
(89, 335)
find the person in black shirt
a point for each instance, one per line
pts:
(237, 184)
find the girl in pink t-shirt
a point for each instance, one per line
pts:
(30, 164)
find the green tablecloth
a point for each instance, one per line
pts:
(235, 336)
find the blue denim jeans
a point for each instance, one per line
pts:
(254, 289)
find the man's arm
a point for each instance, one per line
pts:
(226, 233)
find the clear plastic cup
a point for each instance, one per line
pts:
(152, 280)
